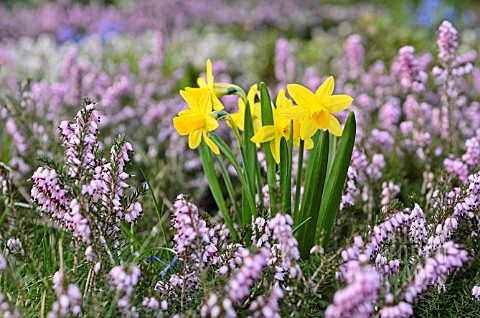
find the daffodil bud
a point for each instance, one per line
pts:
(222, 89)
(219, 115)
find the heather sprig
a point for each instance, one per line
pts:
(85, 194)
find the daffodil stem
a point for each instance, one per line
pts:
(240, 92)
(298, 183)
(229, 185)
(237, 133)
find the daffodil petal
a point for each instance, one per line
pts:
(196, 92)
(264, 134)
(252, 92)
(301, 95)
(189, 98)
(194, 138)
(217, 104)
(209, 73)
(201, 83)
(180, 126)
(205, 103)
(307, 128)
(308, 144)
(281, 100)
(275, 149)
(294, 112)
(325, 90)
(211, 144)
(337, 103)
(334, 126)
(211, 123)
(185, 112)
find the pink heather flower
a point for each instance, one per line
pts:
(6, 310)
(381, 232)
(354, 54)
(435, 270)
(3, 262)
(214, 308)
(389, 191)
(463, 63)
(191, 229)
(68, 298)
(164, 305)
(281, 227)
(267, 308)
(264, 232)
(476, 292)
(389, 114)
(382, 139)
(447, 42)
(175, 284)
(359, 297)
(374, 169)
(472, 155)
(456, 167)
(401, 310)
(350, 191)
(239, 285)
(407, 69)
(418, 231)
(18, 139)
(124, 279)
(284, 61)
(14, 247)
(151, 303)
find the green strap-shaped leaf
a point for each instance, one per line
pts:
(298, 182)
(267, 119)
(227, 152)
(249, 160)
(214, 185)
(312, 196)
(332, 194)
(285, 177)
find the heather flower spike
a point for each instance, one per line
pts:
(315, 110)
(196, 121)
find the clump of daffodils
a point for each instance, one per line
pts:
(310, 113)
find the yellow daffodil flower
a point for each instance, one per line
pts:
(216, 90)
(196, 121)
(315, 110)
(255, 110)
(274, 133)
(284, 103)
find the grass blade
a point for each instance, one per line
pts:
(157, 209)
